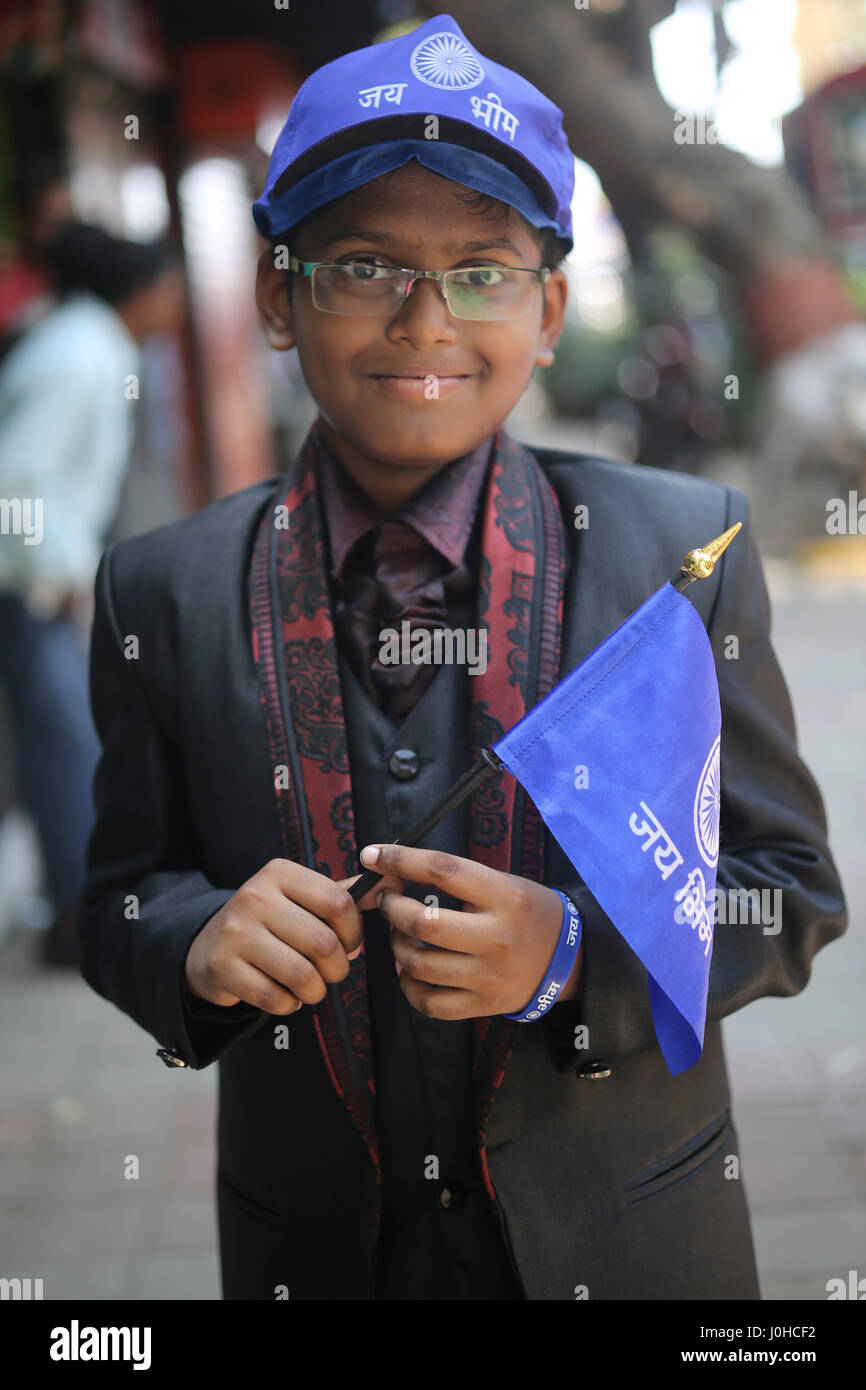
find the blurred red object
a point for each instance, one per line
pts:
(21, 284)
(225, 88)
(793, 303)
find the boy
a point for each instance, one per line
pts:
(385, 1131)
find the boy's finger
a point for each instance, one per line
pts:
(315, 893)
(450, 969)
(389, 883)
(461, 878)
(256, 987)
(290, 930)
(446, 928)
(290, 969)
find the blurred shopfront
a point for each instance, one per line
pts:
(159, 120)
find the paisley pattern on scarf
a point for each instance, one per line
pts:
(520, 603)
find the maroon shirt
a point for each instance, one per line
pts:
(414, 564)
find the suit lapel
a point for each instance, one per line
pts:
(521, 600)
(293, 645)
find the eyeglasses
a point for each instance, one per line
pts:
(377, 291)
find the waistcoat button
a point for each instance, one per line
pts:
(403, 763)
(451, 1196)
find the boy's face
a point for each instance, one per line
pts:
(389, 437)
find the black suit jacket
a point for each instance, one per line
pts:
(617, 1188)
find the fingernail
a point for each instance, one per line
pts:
(353, 955)
(369, 854)
(398, 967)
(379, 897)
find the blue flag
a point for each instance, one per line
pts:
(622, 760)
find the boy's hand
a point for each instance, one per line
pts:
(284, 936)
(493, 954)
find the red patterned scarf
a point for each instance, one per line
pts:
(520, 603)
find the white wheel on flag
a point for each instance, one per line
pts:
(707, 807)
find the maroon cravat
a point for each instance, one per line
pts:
(408, 573)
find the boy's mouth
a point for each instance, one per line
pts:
(423, 385)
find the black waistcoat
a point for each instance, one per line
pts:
(439, 1236)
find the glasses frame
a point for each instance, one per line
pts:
(306, 268)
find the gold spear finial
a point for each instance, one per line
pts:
(700, 563)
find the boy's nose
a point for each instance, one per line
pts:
(417, 307)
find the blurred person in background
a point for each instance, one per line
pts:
(41, 197)
(68, 388)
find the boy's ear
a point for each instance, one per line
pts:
(272, 301)
(553, 317)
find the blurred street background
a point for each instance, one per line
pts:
(716, 326)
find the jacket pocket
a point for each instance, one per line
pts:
(683, 1161)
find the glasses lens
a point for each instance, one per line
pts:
(479, 292)
(489, 292)
(358, 288)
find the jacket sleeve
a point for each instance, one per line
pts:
(145, 898)
(772, 838)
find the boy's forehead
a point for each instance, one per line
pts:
(399, 206)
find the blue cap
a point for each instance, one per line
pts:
(372, 110)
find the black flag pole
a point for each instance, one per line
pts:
(698, 564)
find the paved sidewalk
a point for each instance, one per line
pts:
(798, 1066)
(82, 1089)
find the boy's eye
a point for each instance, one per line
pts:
(482, 277)
(364, 271)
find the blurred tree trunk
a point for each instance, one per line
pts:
(752, 221)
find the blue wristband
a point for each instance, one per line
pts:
(560, 967)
